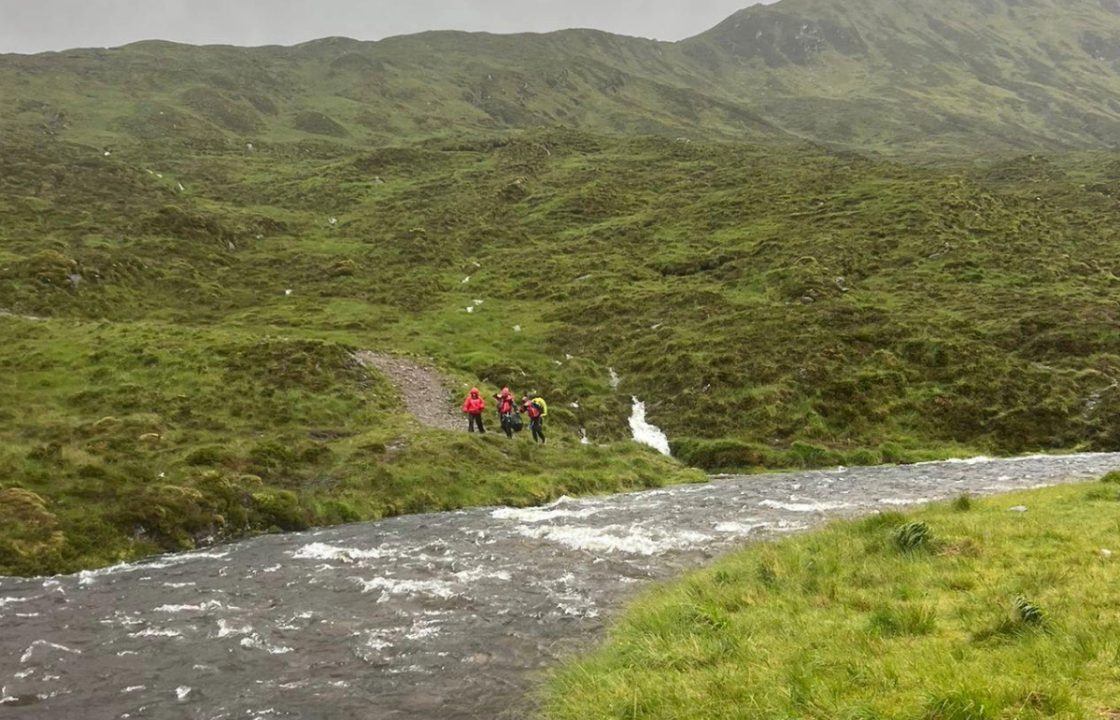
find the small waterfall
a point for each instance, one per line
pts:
(645, 433)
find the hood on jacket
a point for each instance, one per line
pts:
(474, 392)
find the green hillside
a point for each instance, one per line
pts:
(1011, 74)
(195, 241)
(760, 299)
(343, 92)
(884, 75)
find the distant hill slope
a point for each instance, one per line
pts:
(951, 74)
(344, 92)
(957, 75)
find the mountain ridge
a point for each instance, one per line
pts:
(1001, 76)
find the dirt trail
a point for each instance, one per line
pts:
(425, 393)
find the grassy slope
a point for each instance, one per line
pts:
(1001, 615)
(892, 74)
(872, 74)
(777, 307)
(124, 439)
(349, 93)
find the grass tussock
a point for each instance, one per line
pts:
(840, 624)
(913, 537)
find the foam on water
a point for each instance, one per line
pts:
(201, 607)
(423, 629)
(225, 629)
(984, 459)
(89, 577)
(545, 514)
(644, 432)
(616, 538)
(30, 651)
(803, 507)
(739, 528)
(470, 576)
(377, 643)
(156, 632)
(255, 642)
(10, 600)
(323, 551)
(387, 586)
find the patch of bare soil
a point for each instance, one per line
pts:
(425, 392)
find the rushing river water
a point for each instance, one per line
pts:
(435, 616)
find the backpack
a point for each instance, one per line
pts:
(516, 423)
(540, 403)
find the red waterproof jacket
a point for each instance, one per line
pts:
(532, 409)
(505, 402)
(474, 404)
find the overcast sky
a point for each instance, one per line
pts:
(28, 26)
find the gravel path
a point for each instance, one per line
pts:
(435, 617)
(425, 394)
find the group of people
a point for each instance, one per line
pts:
(510, 411)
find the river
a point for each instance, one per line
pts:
(449, 616)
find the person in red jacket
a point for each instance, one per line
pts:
(473, 407)
(536, 418)
(507, 406)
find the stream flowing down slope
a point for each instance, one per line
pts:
(436, 616)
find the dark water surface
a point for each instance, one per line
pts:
(436, 616)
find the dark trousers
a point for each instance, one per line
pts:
(507, 424)
(476, 420)
(537, 426)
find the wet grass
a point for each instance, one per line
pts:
(775, 308)
(1004, 615)
(786, 308)
(125, 439)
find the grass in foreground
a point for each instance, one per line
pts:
(965, 611)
